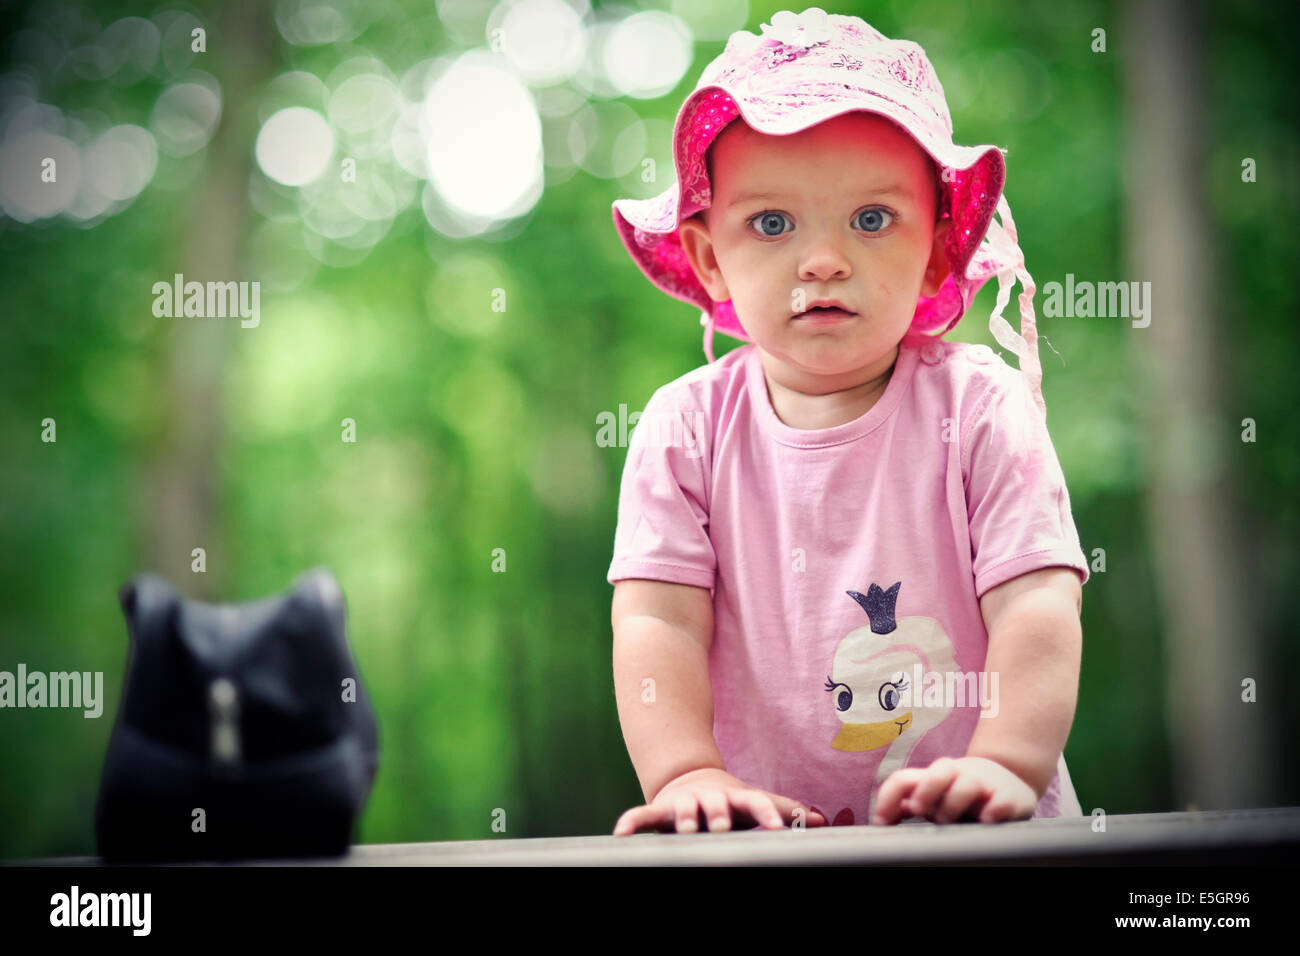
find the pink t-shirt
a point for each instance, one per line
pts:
(846, 563)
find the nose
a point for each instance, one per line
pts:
(823, 259)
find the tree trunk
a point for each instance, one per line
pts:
(180, 508)
(1224, 749)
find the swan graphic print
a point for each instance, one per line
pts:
(872, 685)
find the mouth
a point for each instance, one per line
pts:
(820, 314)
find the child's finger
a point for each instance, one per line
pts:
(644, 816)
(815, 818)
(893, 792)
(761, 808)
(716, 811)
(966, 794)
(787, 807)
(1009, 805)
(626, 822)
(687, 811)
(998, 809)
(939, 776)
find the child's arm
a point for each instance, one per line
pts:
(662, 632)
(1035, 646)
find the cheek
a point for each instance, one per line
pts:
(755, 277)
(904, 264)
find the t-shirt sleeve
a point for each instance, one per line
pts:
(663, 501)
(1016, 498)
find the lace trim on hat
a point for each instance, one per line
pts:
(706, 320)
(1002, 237)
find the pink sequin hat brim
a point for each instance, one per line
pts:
(779, 88)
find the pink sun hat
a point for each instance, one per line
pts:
(809, 68)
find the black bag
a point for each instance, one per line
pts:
(241, 711)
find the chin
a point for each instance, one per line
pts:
(836, 350)
(827, 361)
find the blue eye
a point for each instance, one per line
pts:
(770, 223)
(873, 220)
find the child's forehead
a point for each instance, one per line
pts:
(863, 143)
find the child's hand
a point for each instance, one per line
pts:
(952, 789)
(719, 796)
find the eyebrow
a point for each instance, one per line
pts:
(894, 189)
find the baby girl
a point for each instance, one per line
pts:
(847, 587)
